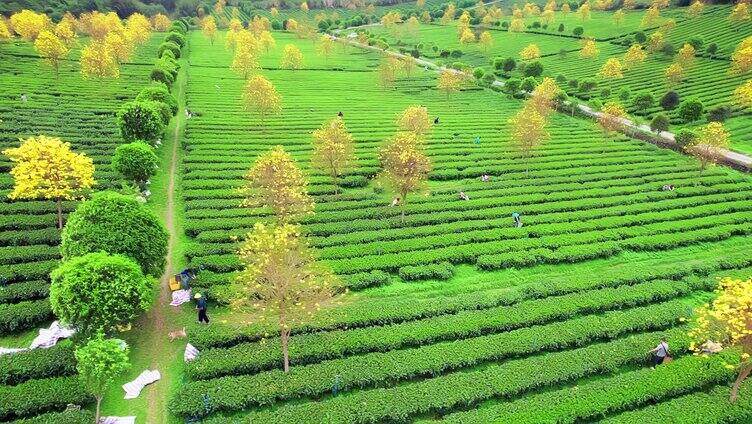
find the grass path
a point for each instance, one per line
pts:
(149, 343)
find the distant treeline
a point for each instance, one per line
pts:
(124, 8)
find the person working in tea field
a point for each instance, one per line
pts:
(395, 202)
(463, 196)
(436, 120)
(660, 352)
(517, 220)
(201, 307)
(340, 114)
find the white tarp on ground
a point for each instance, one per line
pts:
(117, 420)
(180, 296)
(47, 338)
(190, 353)
(133, 389)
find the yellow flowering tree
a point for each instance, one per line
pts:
(728, 322)
(209, 28)
(467, 37)
(66, 31)
(449, 13)
(415, 119)
(260, 97)
(610, 118)
(485, 40)
(709, 144)
(292, 58)
(333, 149)
(5, 34)
(612, 69)
(686, 55)
(267, 41)
(584, 12)
(528, 131)
(29, 24)
(565, 9)
(281, 279)
(634, 56)
(246, 57)
(46, 168)
(517, 25)
(276, 182)
(695, 9)
(449, 82)
(619, 17)
(650, 18)
(531, 52)
(543, 96)
(137, 28)
(674, 74)
(412, 25)
(160, 22)
(743, 95)
(387, 72)
(405, 166)
(740, 12)
(98, 62)
(589, 49)
(50, 48)
(656, 41)
(548, 17)
(741, 59)
(304, 7)
(120, 46)
(325, 47)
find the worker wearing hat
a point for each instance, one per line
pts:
(201, 307)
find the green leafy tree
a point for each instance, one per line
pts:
(99, 363)
(643, 101)
(136, 162)
(140, 121)
(114, 223)
(99, 291)
(158, 92)
(660, 123)
(691, 110)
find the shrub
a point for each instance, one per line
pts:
(366, 279)
(578, 31)
(690, 110)
(684, 137)
(605, 93)
(561, 28)
(534, 69)
(478, 73)
(588, 85)
(696, 42)
(168, 45)
(529, 84)
(158, 93)
(135, 161)
(643, 101)
(140, 121)
(440, 271)
(660, 122)
(177, 38)
(640, 37)
(456, 54)
(561, 79)
(712, 49)
(624, 94)
(670, 100)
(116, 224)
(512, 85)
(668, 49)
(719, 113)
(163, 76)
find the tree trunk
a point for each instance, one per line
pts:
(97, 416)
(59, 213)
(743, 374)
(285, 334)
(335, 181)
(403, 203)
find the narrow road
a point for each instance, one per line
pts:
(729, 157)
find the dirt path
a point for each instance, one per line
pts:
(162, 352)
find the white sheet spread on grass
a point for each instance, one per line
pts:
(47, 338)
(117, 420)
(133, 389)
(190, 353)
(180, 296)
